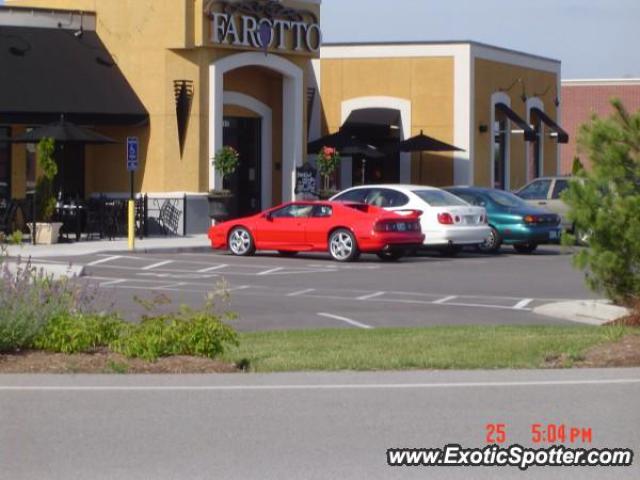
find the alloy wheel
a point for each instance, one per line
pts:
(240, 242)
(342, 246)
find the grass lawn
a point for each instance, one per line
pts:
(466, 347)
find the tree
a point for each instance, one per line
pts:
(577, 166)
(606, 203)
(44, 187)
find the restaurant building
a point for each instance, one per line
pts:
(189, 76)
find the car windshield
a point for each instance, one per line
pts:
(440, 198)
(506, 199)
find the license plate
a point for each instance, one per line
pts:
(553, 235)
(402, 227)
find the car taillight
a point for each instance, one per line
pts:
(445, 219)
(528, 219)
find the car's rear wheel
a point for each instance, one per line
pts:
(241, 242)
(392, 256)
(343, 246)
(287, 253)
(492, 243)
(525, 247)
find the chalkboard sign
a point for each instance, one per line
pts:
(306, 180)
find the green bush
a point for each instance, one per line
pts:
(606, 204)
(78, 333)
(198, 333)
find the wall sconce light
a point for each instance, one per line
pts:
(483, 128)
(183, 90)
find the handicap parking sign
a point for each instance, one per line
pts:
(132, 153)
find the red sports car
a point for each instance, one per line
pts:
(343, 229)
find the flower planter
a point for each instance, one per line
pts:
(46, 233)
(219, 206)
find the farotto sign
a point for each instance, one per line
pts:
(263, 24)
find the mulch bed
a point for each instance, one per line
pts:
(624, 353)
(107, 362)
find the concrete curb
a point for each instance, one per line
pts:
(591, 312)
(55, 270)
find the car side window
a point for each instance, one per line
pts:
(293, 211)
(322, 211)
(385, 198)
(358, 195)
(537, 190)
(560, 186)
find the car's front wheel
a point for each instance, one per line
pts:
(525, 247)
(492, 243)
(241, 242)
(343, 246)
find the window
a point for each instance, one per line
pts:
(440, 198)
(506, 199)
(537, 190)
(5, 165)
(357, 195)
(385, 198)
(500, 138)
(470, 198)
(560, 186)
(322, 211)
(295, 210)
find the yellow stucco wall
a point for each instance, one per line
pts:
(426, 82)
(491, 77)
(155, 42)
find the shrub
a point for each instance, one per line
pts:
(606, 204)
(29, 300)
(78, 333)
(196, 333)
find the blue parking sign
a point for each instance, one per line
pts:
(132, 153)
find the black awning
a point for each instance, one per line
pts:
(383, 117)
(529, 133)
(562, 135)
(48, 72)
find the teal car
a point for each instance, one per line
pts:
(512, 220)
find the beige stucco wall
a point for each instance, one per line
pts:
(426, 82)
(491, 77)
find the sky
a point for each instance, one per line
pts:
(592, 38)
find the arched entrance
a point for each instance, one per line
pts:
(292, 115)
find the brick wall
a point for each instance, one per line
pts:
(580, 100)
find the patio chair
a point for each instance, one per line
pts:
(8, 218)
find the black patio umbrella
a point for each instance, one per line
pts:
(64, 132)
(347, 144)
(425, 143)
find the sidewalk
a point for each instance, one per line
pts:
(591, 312)
(155, 244)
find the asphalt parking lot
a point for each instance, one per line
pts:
(312, 291)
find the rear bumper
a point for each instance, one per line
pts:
(379, 242)
(452, 235)
(539, 235)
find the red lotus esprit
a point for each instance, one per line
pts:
(343, 229)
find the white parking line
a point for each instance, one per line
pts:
(445, 299)
(268, 272)
(171, 286)
(346, 320)
(103, 260)
(113, 282)
(523, 303)
(235, 289)
(301, 292)
(370, 296)
(156, 265)
(212, 269)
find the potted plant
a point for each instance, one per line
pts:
(327, 163)
(47, 232)
(225, 162)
